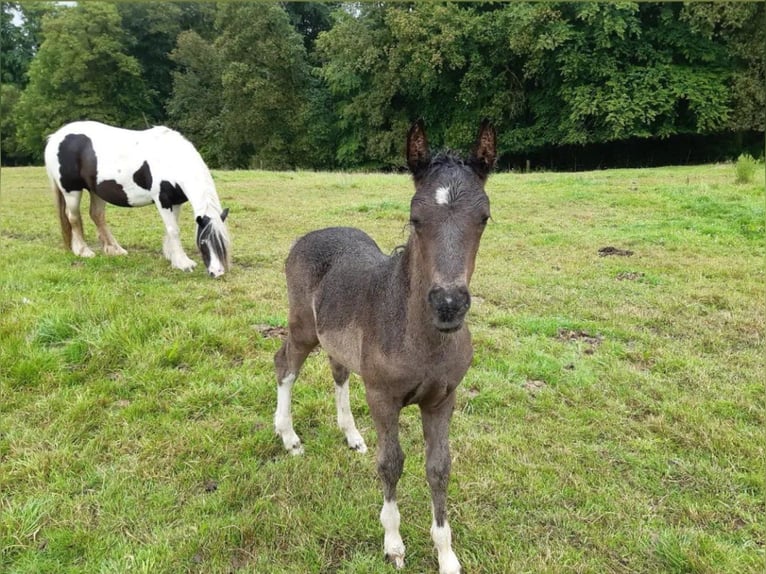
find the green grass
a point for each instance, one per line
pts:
(613, 420)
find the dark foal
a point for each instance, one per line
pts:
(395, 320)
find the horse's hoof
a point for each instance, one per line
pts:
(450, 565)
(85, 252)
(114, 250)
(186, 265)
(396, 559)
(358, 446)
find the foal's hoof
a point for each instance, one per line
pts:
(295, 449)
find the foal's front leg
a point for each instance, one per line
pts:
(436, 422)
(171, 245)
(390, 465)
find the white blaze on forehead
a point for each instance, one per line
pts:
(442, 195)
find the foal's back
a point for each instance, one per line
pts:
(337, 282)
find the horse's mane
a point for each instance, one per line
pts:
(210, 202)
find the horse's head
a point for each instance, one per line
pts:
(448, 214)
(213, 242)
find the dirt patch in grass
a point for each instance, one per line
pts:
(271, 332)
(535, 386)
(609, 250)
(593, 341)
(210, 485)
(629, 276)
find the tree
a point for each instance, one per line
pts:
(194, 107)
(741, 28)
(388, 64)
(151, 29)
(310, 19)
(605, 72)
(15, 51)
(265, 78)
(9, 147)
(80, 72)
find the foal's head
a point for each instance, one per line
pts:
(213, 243)
(448, 214)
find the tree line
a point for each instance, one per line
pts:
(335, 85)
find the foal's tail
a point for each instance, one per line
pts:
(66, 226)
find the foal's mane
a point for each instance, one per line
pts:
(445, 158)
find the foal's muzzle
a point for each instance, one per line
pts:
(449, 306)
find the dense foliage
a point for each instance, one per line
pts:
(311, 85)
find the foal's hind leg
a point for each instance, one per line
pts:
(346, 421)
(301, 339)
(98, 215)
(72, 201)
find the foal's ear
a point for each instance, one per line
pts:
(224, 213)
(418, 154)
(484, 151)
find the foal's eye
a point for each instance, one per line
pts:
(415, 221)
(484, 220)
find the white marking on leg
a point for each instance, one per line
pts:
(283, 418)
(171, 244)
(79, 246)
(393, 546)
(442, 537)
(346, 421)
(442, 195)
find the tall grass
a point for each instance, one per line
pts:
(745, 168)
(613, 419)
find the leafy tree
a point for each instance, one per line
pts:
(15, 51)
(80, 72)
(264, 84)
(195, 105)
(151, 29)
(10, 152)
(603, 72)
(741, 28)
(388, 64)
(310, 19)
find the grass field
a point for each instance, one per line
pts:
(613, 421)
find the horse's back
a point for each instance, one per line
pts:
(81, 154)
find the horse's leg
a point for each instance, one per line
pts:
(385, 414)
(300, 341)
(171, 245)
(436, 422)
(98, 215)
(72, 201)
(346, 421)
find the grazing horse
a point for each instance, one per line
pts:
(131, 169)
(398, 321)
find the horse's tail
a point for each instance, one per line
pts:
(66, 226)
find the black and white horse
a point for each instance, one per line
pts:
(131, 168)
